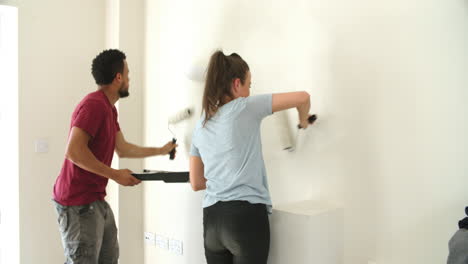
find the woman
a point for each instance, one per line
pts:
(226, 160)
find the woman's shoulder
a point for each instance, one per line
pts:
(199, 123)
(233, 108)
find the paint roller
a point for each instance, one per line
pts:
(286, 133)
(175, 119)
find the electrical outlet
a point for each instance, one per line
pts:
(42, 145)
(176, 247)
(149, 237)
(162, 242)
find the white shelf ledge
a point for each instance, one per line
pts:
(306, 232)
(308, 207)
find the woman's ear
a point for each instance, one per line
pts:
(235, 86)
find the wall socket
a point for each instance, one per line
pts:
(162, 242)
(172, 245)
(176, 247)
(149, 238)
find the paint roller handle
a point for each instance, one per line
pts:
(311, 120)
(172, 153)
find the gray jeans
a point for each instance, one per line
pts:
(458, 248)
(89, 233)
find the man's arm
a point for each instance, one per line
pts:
(128, 150)
(79, 153)
(197, 173)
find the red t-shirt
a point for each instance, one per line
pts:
(74, 185)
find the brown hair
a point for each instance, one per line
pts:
(222, 70)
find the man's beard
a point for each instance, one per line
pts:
(123, 93)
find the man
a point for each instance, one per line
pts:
(86, 222)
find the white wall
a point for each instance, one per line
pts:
(402, 65)
(9, 195)
(387, 80)
(57, 41)
(130, 207)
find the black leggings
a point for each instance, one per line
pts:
(236, 232)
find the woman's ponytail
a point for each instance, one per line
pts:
(222, 70)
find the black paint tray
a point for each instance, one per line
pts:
(166, 176)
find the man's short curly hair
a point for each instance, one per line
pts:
(106, 65)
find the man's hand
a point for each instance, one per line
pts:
(125, 178)
(168, 148)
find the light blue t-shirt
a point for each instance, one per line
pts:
(231, 150)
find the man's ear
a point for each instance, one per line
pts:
(118, 77)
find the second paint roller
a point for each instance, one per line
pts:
(176, 118)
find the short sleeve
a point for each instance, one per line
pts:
(89, 117)
(260, 106)
(194, 150)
